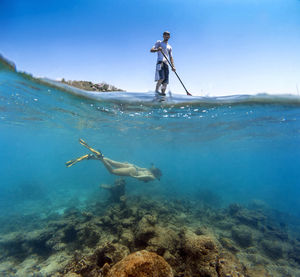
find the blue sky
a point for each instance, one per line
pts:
(220, 47)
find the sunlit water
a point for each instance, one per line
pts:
(219, 150)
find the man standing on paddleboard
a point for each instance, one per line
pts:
(163, 50)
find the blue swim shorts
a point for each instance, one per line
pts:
(162, 72)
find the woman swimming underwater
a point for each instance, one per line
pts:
(119, 168)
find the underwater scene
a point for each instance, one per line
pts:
(93, 184)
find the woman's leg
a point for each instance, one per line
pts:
(107, 165)
(116, 164)
(122, 171)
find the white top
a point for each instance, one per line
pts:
(167, 49)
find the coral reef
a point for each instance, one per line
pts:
(242, 235)
(178, 237)
(141, 264)
(201, 254)
(117, 191)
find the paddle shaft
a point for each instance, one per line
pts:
(176, 73)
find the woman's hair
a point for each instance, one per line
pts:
(155, 171)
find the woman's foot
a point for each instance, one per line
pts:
(95, 156)
(100, 155)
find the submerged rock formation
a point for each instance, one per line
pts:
(141, 264)
(117, 190)
(201, 254)
(190, 239)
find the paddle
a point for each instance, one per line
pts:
(187, 93)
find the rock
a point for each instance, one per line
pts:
(110, 253)
(22, 245)
(257, 260)
(250, 218)
(128, 222)
(88, 235)
(13, 244)
(152, 219)
(242, 235)
(86, 85)
(107, 221)
(274, 233)
(145, 230)
(52, 265)
(100, 260)
(202, 247)
(228, 244)
(202, 230)
(7, 63)
(141, 264)
(201, 255)
(234, 208)
(117, 191)
(72, 274)
(294, 253)
(170, 259)
(272, 249)
(225, 224)
(70, 234)
(229, 266)
(87, 216)
(165, 239)
(127, 237)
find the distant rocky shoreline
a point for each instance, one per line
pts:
(7, 63)
(86, 85)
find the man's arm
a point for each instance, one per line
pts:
(156, 47)
(171, 60)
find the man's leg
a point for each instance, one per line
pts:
(163, 88)
(158, 84)
(159, 75)
(165, 70)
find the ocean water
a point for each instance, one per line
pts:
(224, 150)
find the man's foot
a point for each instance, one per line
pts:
(162, 93)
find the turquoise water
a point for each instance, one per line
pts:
(217, 150)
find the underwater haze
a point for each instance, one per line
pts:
(217, 151)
